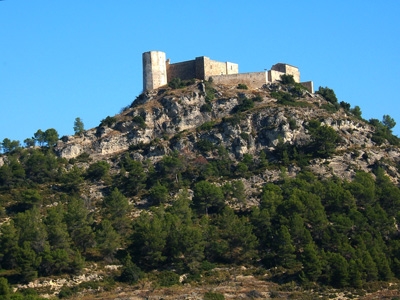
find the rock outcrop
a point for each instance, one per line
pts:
(166, 120)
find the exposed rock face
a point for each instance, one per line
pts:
(165, 120)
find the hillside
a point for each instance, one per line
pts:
(199, 185)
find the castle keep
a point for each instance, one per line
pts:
(158, 71)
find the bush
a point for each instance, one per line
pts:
(345, 105)
(205, 145)
(83, 157)
(66, 292)
(108, 121)
(330, 108)
(282, 97)
(97, 170)
(287, 79)
(167, 278)
(245, 105)
(130, 272)
(207, 107)
(5, 289)
(140, 121)
(213, 296)
(328, 94)
(210, 91)
(207, 126)
(158, 194)
(242, 86)
(177, 83)
(257, 98)
(356, 111)
(292, 124)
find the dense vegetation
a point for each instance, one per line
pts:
(307, 230)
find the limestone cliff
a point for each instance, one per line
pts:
(166, 120)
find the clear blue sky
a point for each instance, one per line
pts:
(65, 59)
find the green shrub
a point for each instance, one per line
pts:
(207, 107)
(108, 121)
(83, 157)
(210, 91)
(287, 79)
(158, 194)
(292, 124)
(177, 83)
(245, 105)
(257, 98)
(213, 296)
(130, 272)
(67, 292)
(207, 126)
(282, 97)
(234, 120)
(328, 94)
(205, 145)
(140, 146)
(5, 289)
(97, 170)
(297, 90)
(330, 108)
(167, 278)
(345, 105)
(242, 86)
(140, 121)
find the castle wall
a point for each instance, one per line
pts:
(232, 68)
(252, 80)
(157, 71)
(309, 85)
(184, 70)
(200, 68)
(213, 67)
(286, 69)
(274, 75)
(154, 70)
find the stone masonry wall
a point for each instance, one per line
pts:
(252, 80)
(184, 70)
(309, 85)
(200, 68)
(274, 75)
(212, 67)
(287, 69)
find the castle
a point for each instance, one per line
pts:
(158, 71)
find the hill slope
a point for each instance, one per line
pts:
(293, 186)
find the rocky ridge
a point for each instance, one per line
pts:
(165, 120)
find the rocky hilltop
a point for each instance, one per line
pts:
(200, 190)
(166, 120)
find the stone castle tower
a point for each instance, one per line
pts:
(154, 70)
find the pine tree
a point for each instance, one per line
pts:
(79, 224)
(130, 272)
(285, 251)
(78, 126)
(149, 240)
(8, 245)
(108, 240)
(116, 208)
(339, 270)
(312, 265)
(5, 290)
